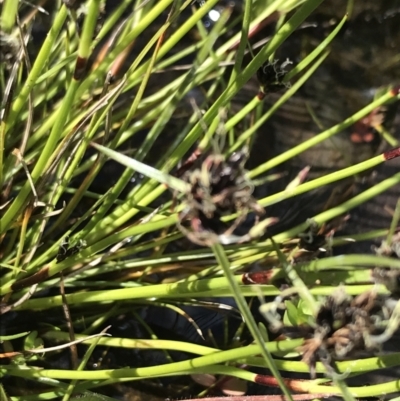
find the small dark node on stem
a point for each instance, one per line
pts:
(80, 68)
(260, 95)
(263, 277)
(396, 90)
(73, 4)
(38, 277)
(366, 129)
(292, 384)
(392, 154)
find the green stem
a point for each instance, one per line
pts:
(248, 317)
(296, 150)
(20, 201)
(254, 65)
(62, 116)
(146, 372)
(9, 14)
(38, 66)
(321, 181)
(243, 41)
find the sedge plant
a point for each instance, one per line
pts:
(113, 88)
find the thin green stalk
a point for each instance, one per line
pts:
(112, 20)
(247, 315)
(287, 29)
(136, 343)
(97, 119)
(272, 291)
(316, 52)
(202, 289)
(81, 366)
(349, 262)
(144, 291)
(147, 19)
(287, 95)
(3, 394)
(2, 147)
(344, 391)
(297, 282)
(296, 150)
(243, 40)
(158, 39)
(89, 26)
(176, 37)
(359, 199)
(297, 69)
(153, 371)
(321, 181)
(20, 201)
(313, 387)
(9, 15)
(356, 366)
(374, 234)
(341, 209)
(38, 65)
(394, 224)
(207, 364)
(54, 268)
(62, 115)
(350, 6)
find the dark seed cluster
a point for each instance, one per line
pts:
(317, 239)
(218, 187)
(344, 327)
(73, 4)
(66, 250)
(270, 76)
(389, 277)
(313, 239)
